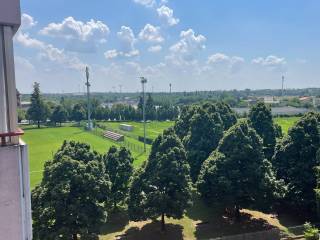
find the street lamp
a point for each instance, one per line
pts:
(143, 82)
(89, 127)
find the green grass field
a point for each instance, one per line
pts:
(286, 123)
(153, 129)
(44, 142)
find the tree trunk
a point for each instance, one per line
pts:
(163, 225)
(74, 236)
(38, 124)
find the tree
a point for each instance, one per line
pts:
(237, 175)
(150, 108)
(227, 116)
(119, 168)
(260, 118)
(38, 110)
(162, 187)
(78, 113)
(59, 115)
(294, 161)
(203, 137)
(21, 114)
(182, 124)
(71, 198)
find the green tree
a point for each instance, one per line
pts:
(295, 159)
(227, 115)
(150, 108)
(59, 115)
(71, 198)
(38, 110)
(203, 137)
(260, 118)
(237, 175)
(163, 186)
(119, 168)
(182, 124)
(22, 114)
(78, 113)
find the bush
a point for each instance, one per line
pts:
(310, 232)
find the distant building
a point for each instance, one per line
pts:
(25, 105)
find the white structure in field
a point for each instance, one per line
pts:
(126, 127)
(15, 207)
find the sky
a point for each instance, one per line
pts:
(192, 44)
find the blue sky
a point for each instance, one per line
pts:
(195, 45)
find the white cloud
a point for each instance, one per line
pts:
(187, 48)
(49, 52)
(27, 21)
(127, 42)
(223, 62)
(270, 61)
(166, 14)
(69, 28)
(23, 63)
(151, 34)
(156, 48)
(146, 3)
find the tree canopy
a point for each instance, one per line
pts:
(119, 169)
(162, 187)
(205, 132)
(237, 175)
(38, 110)
(295, 159)
(71, 198)
(260, 118)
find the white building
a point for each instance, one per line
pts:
(15, 206)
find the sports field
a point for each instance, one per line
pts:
(44, 142)
(286, 123)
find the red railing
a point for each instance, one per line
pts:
(3, 136)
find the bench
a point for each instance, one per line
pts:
(113, 136)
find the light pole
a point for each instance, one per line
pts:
(143, 82)
(89, 127)
(170, 88)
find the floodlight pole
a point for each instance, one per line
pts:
(170, 88)
(89, 127)
(143, 82)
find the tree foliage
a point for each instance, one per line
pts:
(205, 132)
(162, 187)
(295, 159)
(78, 113)
(71, 197)
(38, 111)
(59, 115)
(237, 175)
(260, 118)
(119, 169)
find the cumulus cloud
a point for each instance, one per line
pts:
(50, 52)
(187, 47)
(269, 61)
(127, 43)
(224, 62)
(156, 48)
(27, 21)
(151, 34)
(166, 14)
(70, 28)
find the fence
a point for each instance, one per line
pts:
(272, 234)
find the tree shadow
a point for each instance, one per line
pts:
(152, 231)
(117, 222)
(223, 225)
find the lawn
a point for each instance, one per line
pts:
(286, 123)
(44, 142)
(153, 129)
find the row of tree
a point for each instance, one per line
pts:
(40, 110)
